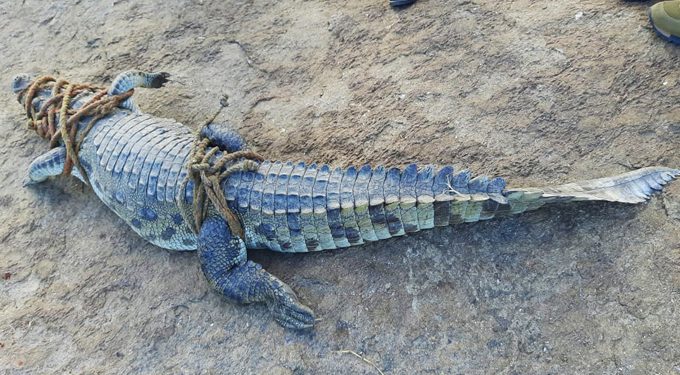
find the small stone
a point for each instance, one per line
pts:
(224, 100)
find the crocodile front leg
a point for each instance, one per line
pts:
(224, 262)
(47, 165)
(133, 78)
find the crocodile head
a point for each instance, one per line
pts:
(21, 82)
(20, 86)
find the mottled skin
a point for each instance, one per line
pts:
(135, 164)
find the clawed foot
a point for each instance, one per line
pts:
(158, 79)
(288, 311)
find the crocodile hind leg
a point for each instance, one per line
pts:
(130, 79)
(224, 262)
(224, 137)
(47, 165)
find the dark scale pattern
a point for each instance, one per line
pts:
(297, 207)
(135, 162)
(442, 197)
(319, 203)
(425, 198)
(407, 199)
(333, 209)
(244, 188)
(376, 200)
(392, 209)
(269, 225)
(255, 208)
(307, 209)
(279, 204)
(459, 184)
(297, 236)
(361, 212)
(349, 220)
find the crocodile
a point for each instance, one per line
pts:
(136, 163)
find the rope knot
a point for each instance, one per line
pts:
(208, 166)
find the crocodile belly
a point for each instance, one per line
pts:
(135, 168)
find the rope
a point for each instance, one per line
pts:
(207, 169)
(44, 120)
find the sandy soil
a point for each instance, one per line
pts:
(535, 91)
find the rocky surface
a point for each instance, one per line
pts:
(535, 91)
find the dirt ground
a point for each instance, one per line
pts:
(535, 91)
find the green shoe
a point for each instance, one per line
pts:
(665, 18)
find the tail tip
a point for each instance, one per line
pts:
(657, 180)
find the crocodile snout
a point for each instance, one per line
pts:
(21, 82)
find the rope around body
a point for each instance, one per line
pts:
(208, 165)
(207, 169)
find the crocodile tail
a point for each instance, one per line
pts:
(632, 187)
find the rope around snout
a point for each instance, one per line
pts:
(208, 165)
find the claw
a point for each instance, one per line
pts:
(159, 80)
(28, 182)
(297, 316)
(289, 312)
